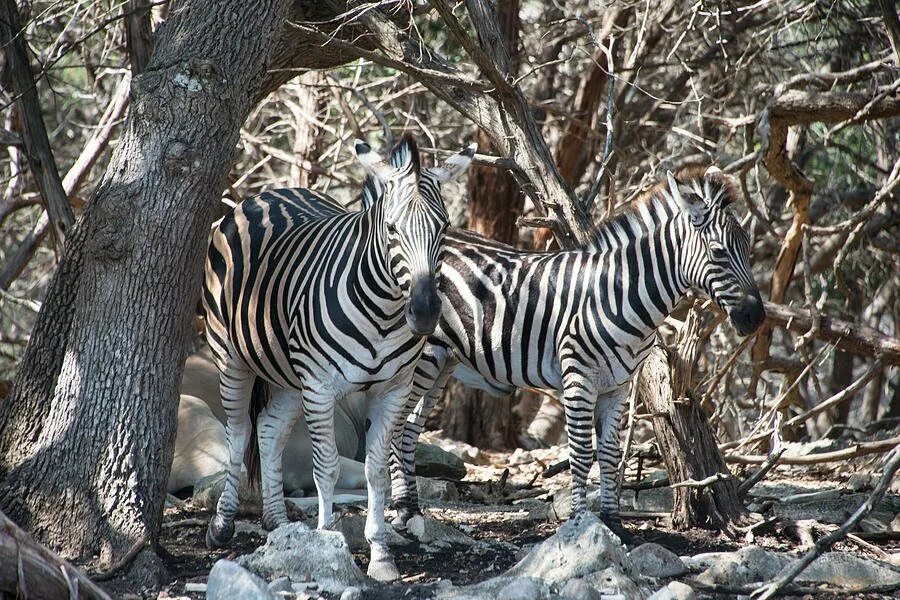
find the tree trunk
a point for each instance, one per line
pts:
(686, 440)
(495, 203)
(86, 434)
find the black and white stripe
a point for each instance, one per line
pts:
(316, 304)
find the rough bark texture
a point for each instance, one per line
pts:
(686, 440)
(86, 433)
(495, 202)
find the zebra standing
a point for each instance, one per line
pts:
(580, 321)
(317, 306)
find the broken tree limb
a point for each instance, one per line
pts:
(851, 337)
(32, 571)
(861, 449)
(747, 485)
(890, 468)
(34, 133)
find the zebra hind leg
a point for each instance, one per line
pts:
(607, 419)
(235, 388)
(274, 426)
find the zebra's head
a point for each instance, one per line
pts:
(415, 222)
(716, 253)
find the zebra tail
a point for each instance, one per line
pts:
(259, 398)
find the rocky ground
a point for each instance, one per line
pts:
(502, 534)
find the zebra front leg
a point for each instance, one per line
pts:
(607, 419)
(579, 398)
(384, 414)
(274, 426)
(431, 377)
(318, 409)
(235, 388)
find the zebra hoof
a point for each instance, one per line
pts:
(615, 525)
(271, 523)
(218, 535)
(383, 569)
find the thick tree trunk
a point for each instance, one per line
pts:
(686, 440)
(86, 433)
(495, 202)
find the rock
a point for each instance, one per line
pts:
(747, 565)
(352, 593)
(578, 589)
(295, 551)
(200, 446)
(652, 560)
(859, 482)
(440, 533)
(523, 588)
(282, 584)
(614, 583)
(147, 571)
(433, 461)
(436, 489)
(230, 580)
(674, 591)
(207, 492)
(353, 529)
(848, 571)
(835, 509)
(653, 500)
(582, 545)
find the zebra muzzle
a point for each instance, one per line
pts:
(748, 315)
(424, 308)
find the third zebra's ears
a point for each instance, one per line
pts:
(373, 162)
(456, 165)
(687, 199)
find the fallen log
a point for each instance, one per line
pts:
(851, 337)
(29, 570)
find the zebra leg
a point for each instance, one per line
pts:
(579, 398)
(384, 414)
(274, 426)
(607, 419)
(430, 380)
(319, 412)
(235, 388)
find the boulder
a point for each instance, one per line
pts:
(433, 461)
(652, 560)
(674, 591)
(437, 489)
(848, 571)
(614, 583)
(522, 588)
(747, 565)
(353, 527)
(497, 588)
(578, 589)
(230, 580)
(295, 551)
(581, 546)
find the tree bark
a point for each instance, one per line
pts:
(686, 440)
(86, 433)
(495, 202)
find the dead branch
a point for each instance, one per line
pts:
(829, 540)
(32, 571)
(892, 25)
(747, 485)
(34, 133)
(861, 449)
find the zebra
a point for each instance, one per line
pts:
(579, 322)
(316, 305)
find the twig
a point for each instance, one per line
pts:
(751, 481)
(829, 540)
(124, 561)
(706, 481)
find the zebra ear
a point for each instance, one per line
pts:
(688, 201)
(405, 155)
(456, 165)
(371, 192)
(371, 160)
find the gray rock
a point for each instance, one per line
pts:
(674, 591)
(848, 571)
(437, 489)
(578, 589)
(747, 565)
(582, 545)
(440, 533)
(295, 551)
(523, 588)
(229, 580)
(653, 500)
(353, 528)
(652, 560)
(282, 584)
(495, 588)
(207, 492)
(614, 583)
(433, 461)
(351, 593)
(147, 571)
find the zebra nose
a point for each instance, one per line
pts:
(424, 308)
(749, 314)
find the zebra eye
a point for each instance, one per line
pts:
(717, 250)
(392, 229)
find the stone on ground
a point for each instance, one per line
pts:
(581, 546)
(652, 560)
(747, 565)
(353, 528)
(433, 461)
(579, 589)
(674, 591)
(295, 551)
(436, 489)
(614, 583)
(848, 571)
(230, 580)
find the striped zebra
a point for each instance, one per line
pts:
(315, 305)
(580, 321)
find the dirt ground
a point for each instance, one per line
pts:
(496, 504)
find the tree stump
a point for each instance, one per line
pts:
(686, 440)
